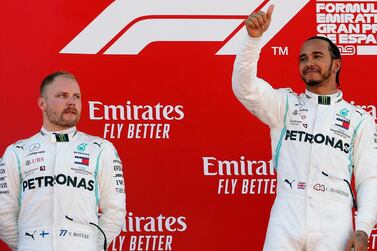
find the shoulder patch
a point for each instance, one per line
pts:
(360, 111)
(98, 143)
(20, 144)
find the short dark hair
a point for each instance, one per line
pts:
(334, 52)
(51, 77)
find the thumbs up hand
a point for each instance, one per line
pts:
(257, 23)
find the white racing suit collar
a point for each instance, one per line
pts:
(60, 136)
(324, 99)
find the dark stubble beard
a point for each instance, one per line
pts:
(59, 120)
(324, 76)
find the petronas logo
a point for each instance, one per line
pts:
(82, 147)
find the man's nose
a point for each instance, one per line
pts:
(310, 61)
(71, 101)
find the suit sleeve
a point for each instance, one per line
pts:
(9, 204)
(265, 102)
(112, 194)
(365, 163)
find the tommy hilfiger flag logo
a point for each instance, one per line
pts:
(344, 123)
(82, 160)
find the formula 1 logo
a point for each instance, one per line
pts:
(126, 27)
(349, 24)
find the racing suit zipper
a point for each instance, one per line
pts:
(54, 199)
(309, 196)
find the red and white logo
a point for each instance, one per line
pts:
(301, 185)
(126, 27)
(319, 187)
(349, 24)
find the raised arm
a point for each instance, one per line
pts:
(255, 94)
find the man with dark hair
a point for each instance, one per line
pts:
(55, 183)
(318, 140)
(334, 53)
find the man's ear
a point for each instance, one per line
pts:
(42, 103)
(337, 65)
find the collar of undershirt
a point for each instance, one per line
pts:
(60, 136)
(324, 99)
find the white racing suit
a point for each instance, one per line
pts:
(318, 142)
(51, 186)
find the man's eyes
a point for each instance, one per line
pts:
(65, 95)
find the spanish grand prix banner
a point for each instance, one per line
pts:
(156, 82)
